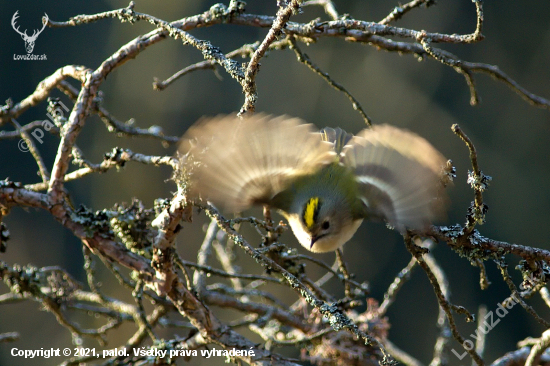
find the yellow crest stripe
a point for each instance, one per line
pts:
(311, 209)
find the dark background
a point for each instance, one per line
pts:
(426, 97)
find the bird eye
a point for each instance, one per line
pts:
(325, 225)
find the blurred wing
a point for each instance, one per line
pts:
(397, 173)
(246, 162)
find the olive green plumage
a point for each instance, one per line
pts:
(325, 183)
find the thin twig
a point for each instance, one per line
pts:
(249, 85)
(43, 90)
(331, 270)
(9, 337)
(545, 295)
(402, 277)
(517, 297)
(336, 317)
(217, 272)
(344, 270)
(441, 344)
(538, 349)
(5, 135)
(244, 51)
(303, 58)
(246, 293)
(483, 280)
(479, 183)
(30, 146)
(116, 158)
(480, 341)
(141, 319)
(401, 355)
(227, 263)
(114, 125)
(199, 281)
(327, 5)
(443, 302)
(398, 12)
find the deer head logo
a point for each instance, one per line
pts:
(29, 40)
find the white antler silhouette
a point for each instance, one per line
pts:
(29, 40)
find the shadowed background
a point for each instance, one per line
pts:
(426, 97)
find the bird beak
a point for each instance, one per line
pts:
(313, 240)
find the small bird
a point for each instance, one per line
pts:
(323, 182)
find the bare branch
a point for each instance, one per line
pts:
(538, 349)
(336, 317)
(143, 240)
(44, 174)
(517, 297)
(399, 11)
(443, 302)
(327, 5)
(43, 91)
(303, 58)
(249, 85)
(402, 277)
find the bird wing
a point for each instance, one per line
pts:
(249, 161)
(397, 173)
